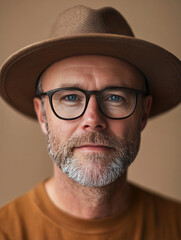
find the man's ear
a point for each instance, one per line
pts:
(147, 102)
(39, 112)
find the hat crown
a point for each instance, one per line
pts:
(83, 20)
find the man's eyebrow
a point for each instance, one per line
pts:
(76, 85)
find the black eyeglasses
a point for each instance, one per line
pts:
(114, 102)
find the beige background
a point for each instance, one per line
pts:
(23, 155)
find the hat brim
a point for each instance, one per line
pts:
(18, 75)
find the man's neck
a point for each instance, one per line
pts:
(87, 202)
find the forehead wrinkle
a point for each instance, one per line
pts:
(91, 75)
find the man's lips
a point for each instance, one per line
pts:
(93, 147)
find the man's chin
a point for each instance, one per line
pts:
(93, 171)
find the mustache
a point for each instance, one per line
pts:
(98, 138)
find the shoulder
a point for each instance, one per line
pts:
(151, 196)
(156, 216)
(15, 213)
(19, 204)
(158, 204)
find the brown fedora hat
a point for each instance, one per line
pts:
(81, 30)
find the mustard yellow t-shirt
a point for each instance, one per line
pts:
(33, 216)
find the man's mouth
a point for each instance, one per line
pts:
(93, 148)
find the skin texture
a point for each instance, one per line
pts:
(91, 73)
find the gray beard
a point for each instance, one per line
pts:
(93, 169)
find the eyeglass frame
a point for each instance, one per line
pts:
(87, 95)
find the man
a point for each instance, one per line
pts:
(96, 86)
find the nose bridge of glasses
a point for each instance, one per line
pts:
(95, 96)
(91, 92)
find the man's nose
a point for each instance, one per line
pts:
(93, 119)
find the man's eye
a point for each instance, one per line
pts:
(71, 98)
(115, 98)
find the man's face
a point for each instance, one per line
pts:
(93, 150)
